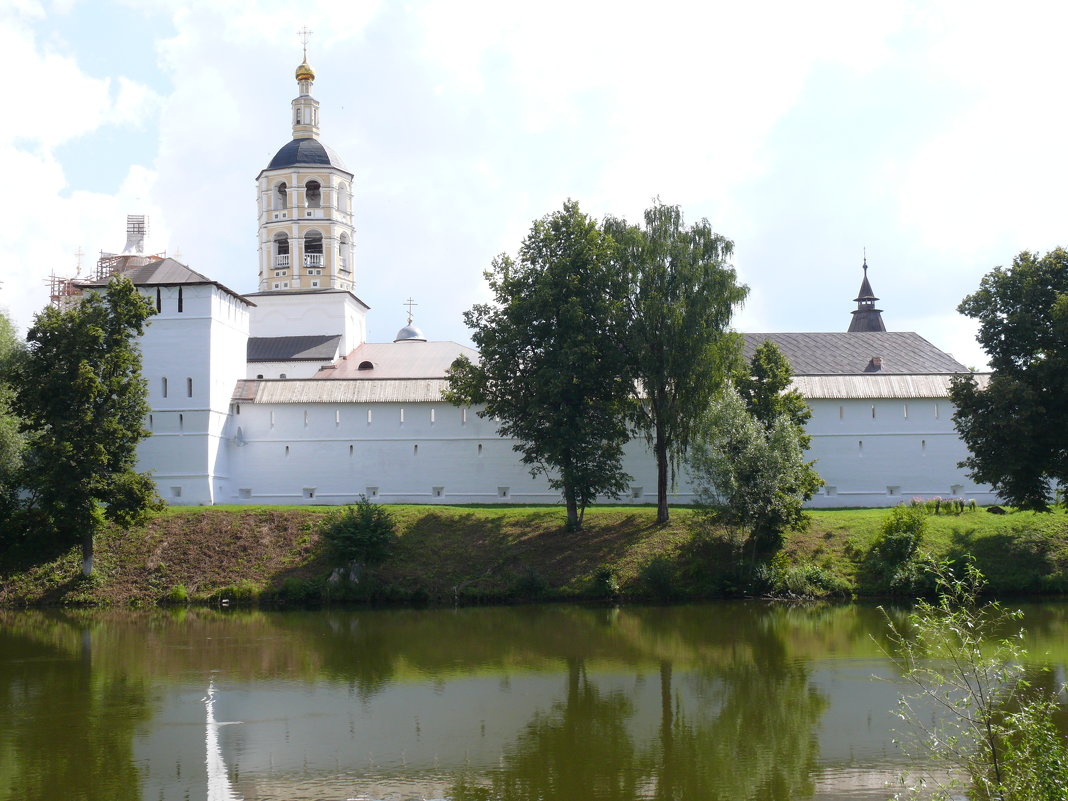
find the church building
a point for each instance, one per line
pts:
(277, 397)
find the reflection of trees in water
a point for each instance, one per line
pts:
(753, 738)
(751, 735)
(580, 749)
(68, 727)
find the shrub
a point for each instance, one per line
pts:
(605, 583)
(177, 594)
(529, 585)
(900, 537)
(364, 532)
(296, 590)
(781, 579)
(659, 579)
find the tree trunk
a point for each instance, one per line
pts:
(573, 521)
(660, 447)
(87, 551)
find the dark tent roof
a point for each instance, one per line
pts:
(164, 272)
(306, 152)
(844, 353)
(316, 348)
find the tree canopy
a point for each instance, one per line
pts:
(681, 297)
(11, 439)
(82, 400)
(1016, 428)
(552, 368)
(747, 463)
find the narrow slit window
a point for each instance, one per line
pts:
(433, 416)
(370, 417)
(873, 411)
(463, 417)
(181, 301)
(181, 422)
(287, 450)
(905, 410)
(860, 447)
(352, 450)
(305, 418)
(337, 417)
(272, 418)
(841, 412)
(415, 450)
(480, 449)
(159, 300)
(165, 387)
(151, 420)
(189, 387)
(402, 415)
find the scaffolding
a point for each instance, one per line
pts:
(62, 291)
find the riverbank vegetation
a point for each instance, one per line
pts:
(460, 554)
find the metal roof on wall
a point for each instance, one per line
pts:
(317, 348)
(845, 353)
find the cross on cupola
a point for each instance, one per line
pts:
(866, 317)
(409, 303)
(305, 107)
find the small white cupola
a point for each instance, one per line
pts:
(410, 333)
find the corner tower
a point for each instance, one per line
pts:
(866, 317)
(306, 233)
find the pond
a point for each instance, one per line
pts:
(727, 701)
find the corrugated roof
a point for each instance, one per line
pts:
(312, 390)
(845, 353)
(429, 390)
(318, 348)
(846, 387)
(407, 359)
(165, 272)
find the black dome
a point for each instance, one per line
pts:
(306, 151)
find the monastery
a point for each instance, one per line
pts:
(277, 397)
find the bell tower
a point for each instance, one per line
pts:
(306, 231)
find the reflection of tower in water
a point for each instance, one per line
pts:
(219, 788)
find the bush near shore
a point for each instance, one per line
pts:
(490, 554)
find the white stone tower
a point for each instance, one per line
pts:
(306, 230)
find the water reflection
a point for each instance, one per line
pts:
(723, 701)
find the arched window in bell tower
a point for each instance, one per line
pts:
(343, 253)
(281, 250)
(313, 194)
(313, 250)
(280, 196)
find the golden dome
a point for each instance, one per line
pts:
(305, 72)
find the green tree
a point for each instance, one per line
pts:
(1016, 428)
(992, 734)
(765, 388)
(749, 474)
(552, 370)
(681, 299)
(82, 401)
(11, 439)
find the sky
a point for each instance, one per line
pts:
(927, 135)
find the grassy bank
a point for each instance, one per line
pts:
(487, 554)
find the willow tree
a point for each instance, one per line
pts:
(682, 296)
(551, 370)
(82, 400)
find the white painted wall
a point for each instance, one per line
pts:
(192, 360)
(331, 313)
(321, 453)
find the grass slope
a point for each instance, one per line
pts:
(471, 554)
